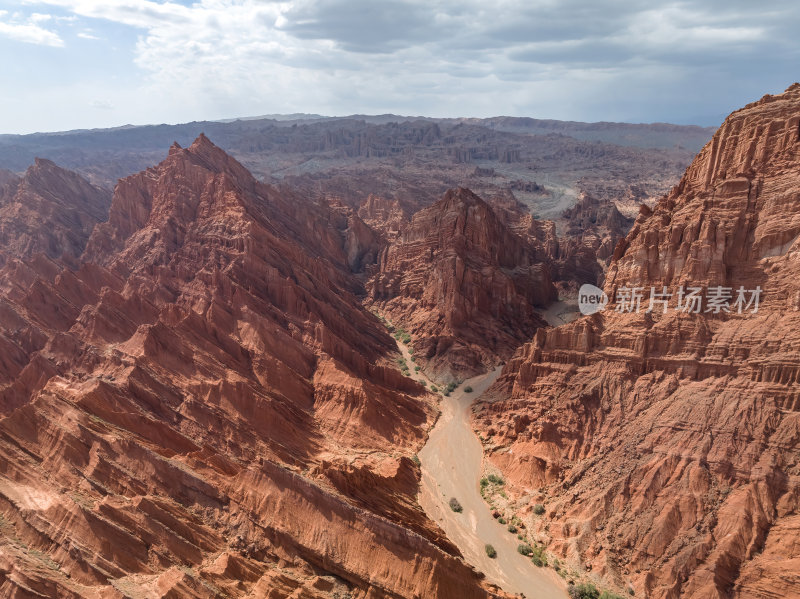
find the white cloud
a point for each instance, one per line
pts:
(550, 58)
(28, 31)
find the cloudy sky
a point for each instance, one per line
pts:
(83, 63)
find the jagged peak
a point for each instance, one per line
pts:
(201, 141)
(462, 195)
(44, 163)
(203, 152)
(46, 176)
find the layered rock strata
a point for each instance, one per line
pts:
(664, 445)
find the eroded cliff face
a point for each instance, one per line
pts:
(49, 211)
(577, 246)
(665, 445)
(462, 284)
(201, 407)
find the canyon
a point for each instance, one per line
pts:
(261, 369)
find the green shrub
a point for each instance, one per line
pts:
(417, 368)
(512, 529)
(423, 383)
(538, 556)
(415, 459)
(490, 551)
(451, 386)
(501, 520)
(585, 590)
(467, 389)
(611, 595)
(446, 393)
(538, 509)
(484, 482)
(525, 549)
(434, 388)
(493, 478)
(455, 505)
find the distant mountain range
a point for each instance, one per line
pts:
(546, 163)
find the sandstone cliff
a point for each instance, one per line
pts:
(50, 211)
(578, 245)
(664, 446)
(202, 407)
(462, 284)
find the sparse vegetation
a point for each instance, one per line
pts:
(467, 389)
(455, 505)
(434, 388)
(415, 459)
(497, 480)
(612, 595)
(490, 551)
(585, 590)
(538, 509)
(538, 556)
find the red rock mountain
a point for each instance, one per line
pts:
(578, 246)
(462, 284)
(201, 407)
(50, 211)
(666, 447)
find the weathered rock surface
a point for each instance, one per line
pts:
(202, 407)
(384, 216)
(577, 246)
(50, 211)
(462, 284)
(665, 446)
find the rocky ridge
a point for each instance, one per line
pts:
(49, 211)
(462, 284)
